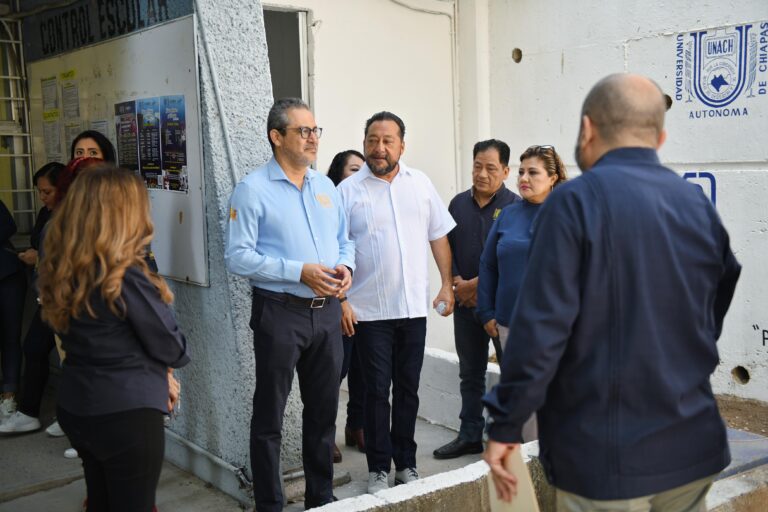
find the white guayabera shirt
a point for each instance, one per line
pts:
(392, 225)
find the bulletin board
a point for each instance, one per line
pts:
(141, 91)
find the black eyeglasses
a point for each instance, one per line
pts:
(305, 131)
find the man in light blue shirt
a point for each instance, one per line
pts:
(287, 233)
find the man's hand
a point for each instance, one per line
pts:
(29, 257)
(445, 295)
(343, 273)
(491, 328)
(465, 291)
(174, 389)
(495, 456)
(348, 319)
(318, 278)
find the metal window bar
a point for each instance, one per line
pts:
(14, 111)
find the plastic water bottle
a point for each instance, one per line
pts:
(441, 307)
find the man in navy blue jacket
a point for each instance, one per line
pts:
(630, 275)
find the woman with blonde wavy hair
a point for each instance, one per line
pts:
(117, 329)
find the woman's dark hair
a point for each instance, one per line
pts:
(107, 149)
(49, 171)
(336, 170)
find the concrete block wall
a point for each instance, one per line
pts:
(466, 488)
(462, 489)
(439, 394)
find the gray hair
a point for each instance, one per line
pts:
(278, 115)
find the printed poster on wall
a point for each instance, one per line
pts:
(148, 118)
(70, 95)
(50, 91)
(174, 143)
(52, 135)
(126, 130)
(71, 130)
(101, 126)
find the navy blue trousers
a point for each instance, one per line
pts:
(13, 292)
(355, 384)
(37, 347)
(392, 353)
(472, 349)
(287, 339)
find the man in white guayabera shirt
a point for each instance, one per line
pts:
(394, 214)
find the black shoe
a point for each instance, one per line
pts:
(457, 448)
(308, 505)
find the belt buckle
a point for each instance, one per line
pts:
(317, 302)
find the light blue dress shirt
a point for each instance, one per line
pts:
(274, 229)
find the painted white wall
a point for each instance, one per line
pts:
(371, 55)
(567, 46)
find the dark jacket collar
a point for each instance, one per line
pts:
(629, 155)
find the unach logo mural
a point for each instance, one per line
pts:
(716, 67)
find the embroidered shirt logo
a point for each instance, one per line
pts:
(232, 214)
(324, 200)
(496, 213)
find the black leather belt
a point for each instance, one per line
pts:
(287, 298)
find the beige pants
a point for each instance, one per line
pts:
(686, 498)
(530, 427)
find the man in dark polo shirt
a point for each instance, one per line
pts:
(474, 211)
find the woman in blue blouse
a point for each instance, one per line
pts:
(505, 254)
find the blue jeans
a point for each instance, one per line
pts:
(391, 352)
(472, 349)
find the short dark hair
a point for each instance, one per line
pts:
(278, 115)
(49, 171)
(336, 168)
(106, 147)
(386, 116)
(498, 145)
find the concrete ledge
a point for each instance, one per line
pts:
(208, 467)
(461, 489)
(745, 492)
(439, 398)
(439, 394)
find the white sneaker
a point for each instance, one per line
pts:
(54, 430)
(19, 422)
(7, 408)
(70, 453)
(377, 481)
(406, 476)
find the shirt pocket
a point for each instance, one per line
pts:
(358, 217)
